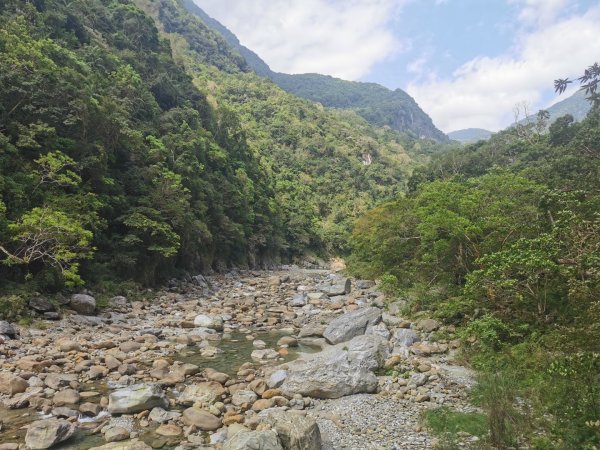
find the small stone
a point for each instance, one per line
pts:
(116, 434)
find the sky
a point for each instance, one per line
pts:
(468, 63)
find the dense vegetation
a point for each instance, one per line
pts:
(375, 103)
(502, 240)
(135, 144)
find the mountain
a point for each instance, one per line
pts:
(576, 105)
(470, 135)
(377, 104)
(136, 144)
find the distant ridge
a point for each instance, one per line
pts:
(470, 135)
(375, 103)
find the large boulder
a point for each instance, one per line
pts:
(12, 384)
(253, 440)
(83, 304)
(349, 325)
(337, 371)
(296, 432)
(44, 434)
(136, 398)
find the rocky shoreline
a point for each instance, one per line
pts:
(118, 379)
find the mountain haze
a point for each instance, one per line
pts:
(375, 103)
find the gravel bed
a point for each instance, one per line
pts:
(370, 422)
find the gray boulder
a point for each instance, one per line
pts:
(83, 304)
(349, 325)
(253, 440)
(136, 398)
(44, 434)
(41, 304)
(299, 299)
(337, 371)
(8, 329)
(296, 432)
(405, 337)
(342, 288)
(124, 445)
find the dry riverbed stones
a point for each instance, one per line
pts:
(121, 373)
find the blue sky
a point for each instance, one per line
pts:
(468, 63)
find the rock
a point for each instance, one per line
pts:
(136, 398)
(213, 375)
(290, 341)
(129, 445)
(83, 304)
(343, 369)
(116, 434)
(212, 321)
(349, 325)
(12, 384)
(428, 325)
(338, 289)
(41, 304)
(65, 412)
(206, 393)
(130, 346)
(311, 330)
(66, 397)
(57, 381)
(299, 299)
(90, 409)
(51, 315)
(263, 403)
(364, 284)
(169, 430)
(404, 337)
(418, 379)
(425, 349)
(118, 302)
(68, 345)
(244, 398)
(159, 415)
(296, 432)
(9, 446)
(201, 419)
(253, 440)
(44, 434)
(264, 355)
(8, 329)
(277, 378)
(379, 329)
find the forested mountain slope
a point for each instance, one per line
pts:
(328, 166)
(125, 155)
(375, 103)
(501, 239)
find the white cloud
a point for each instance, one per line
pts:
(343, 38)
(483, 91)
(540, 12)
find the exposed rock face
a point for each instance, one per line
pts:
(337, 371)
(46, 433)
(136, 398)
(296, 432)
(83, 304)
(12, 384)
(349, 325)
(253, 440)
